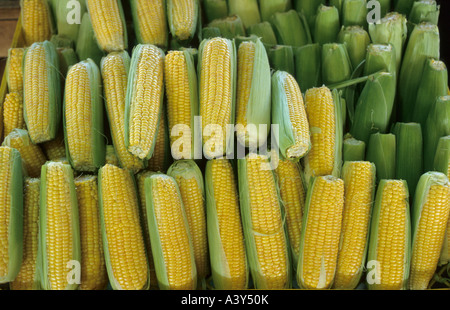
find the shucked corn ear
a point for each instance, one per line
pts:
(263, 223)
(182, 17)
(229, 265)
(27, 278)
(321, 231)
(36, 21)
(182, 102)
(123, 245)
(14, 70)
(389, 241)
(323, 108)
(288, 111)
(144, 99)
(359, 184)
(83, 117)
(217, 75)
(253, 103)
(169, 234)
(190, 182)
(114, 69)
(59, 232)
(42, 92)
(11, 210)
(150, 22)
(109, 25)
(12, 113)
(430, 215)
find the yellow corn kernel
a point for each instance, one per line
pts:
(150, 22)
(14, 70)
(159, 160)
(13, 113)
(128, 268)
(93, 268)
(55, 149)
(183, 18)
(111, 157)
(36, 21)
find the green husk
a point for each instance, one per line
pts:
(356, 39)
(385, 6)
(336, 64)
(258, 276)
(436, 127)
(61, 41)
(309, 8)
(175, 35)
(308, 66)
(442, 156)
(327, 25)
(230, 26)
(97, 145)
(64, 13)
(433, 84)
(380, 57)
(264, 31)
(155, 241)
(54, 93)
(409, 157)
(210, 32)
(247, 10)
(353, 150)
(392, 30)
(283, 25)
(86, 44)
(67, 58)
(338, 5)
(375, 106)
(75, 225)
(215, 9)
(270, 7)
(373, 239)
(354, 13)
(403, 6)
(423, 11)
(423, 44)
(15, 207)
(381, 150)
(281, 58)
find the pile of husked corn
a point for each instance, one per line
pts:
(225, 144)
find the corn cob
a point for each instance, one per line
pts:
(32, 155)
(14, 70)
(143, 103)
(123, 245)
(13, 113)
(359, 183)
(36, 21)
(108, 21)
(42, 91)
(253, 101)
(83, 117)
(217, 74)
(326, 25)
(182, 102)
(264, 229)
(59, 232)
(321, 231)
(430, 215)
(170, 237)
(357, 40)
(336, 63)
(354, 13)
(93, 268)
(323, 109)
(182, 17)
(423, 11)
(225, 235)
(114, 70)
(190, 182)
(27, 278)
(353, 149)
(111, 156)
(55, 149)
(389, 241)
(161, 158)
(149, 20)
(380, 57)
(11, 223)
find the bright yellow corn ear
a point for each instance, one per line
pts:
(169, 234)
(42, 91)
(11, 214)
(55, 149)
(93, 267)
(189, 179)
(225, 235)
(14, 70)
(430, 214)
(321, 231)
(389, 241)
(359, 183)
(161, 159)
(114, 69)
(150, 22)
(182, 16)
(217, 75)
(144, 99)
(264, 224)
(83, 117)
(59, 230)
(27, 278)
(253, 98)
(109, 25)
(36, 21)
(182, 102)
(32, 155)
(111, 157)
(123, 245)
(13, 113)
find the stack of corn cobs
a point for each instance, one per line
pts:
(214, 144)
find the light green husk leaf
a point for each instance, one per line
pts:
(381, 150)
